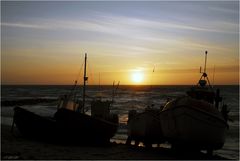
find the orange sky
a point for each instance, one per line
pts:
(120, 38)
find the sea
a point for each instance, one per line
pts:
(43, 100)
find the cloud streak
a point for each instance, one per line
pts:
(120, 24)
(23, 25)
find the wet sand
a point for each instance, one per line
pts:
(17, 147)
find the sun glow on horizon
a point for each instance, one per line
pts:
(44, 43)
(137, 77)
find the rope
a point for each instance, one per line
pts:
(79, 73)
(152, 77)
(76, 82)
(149, 99)
(91, 73)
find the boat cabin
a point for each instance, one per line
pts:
(100, 109)
(202, 93)
(69, 103)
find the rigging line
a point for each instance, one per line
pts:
(113, 90)
(75, 83)
(152, 77)
(79, 72)
(213, 75)
(149, 98)
(99, 86)
(91, 73)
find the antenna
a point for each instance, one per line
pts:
(85, 78)
(114, 90)
(152, 76)
(205, 68)
(213, 75)
(204, 74)
(99, 86)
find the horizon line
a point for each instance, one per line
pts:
(115, 85)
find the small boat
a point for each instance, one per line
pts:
(144, 127)
(194, 120)
(71, 124)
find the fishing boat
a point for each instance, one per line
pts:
(71, 123)
(35, 126)
(204, 90)
(97, 128)
(194, 120)
(144, 127)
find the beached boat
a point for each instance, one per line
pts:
(144, 127)
(194, 120)
(193, 123)
(34, 126)
(71, 123)
(85, 128)
(98, 127)
(204, 90)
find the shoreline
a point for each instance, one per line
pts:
(17, 147)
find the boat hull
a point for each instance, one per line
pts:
(66, 127)
(84, 128)
(145, 127)
(190, 125)
(34, 126)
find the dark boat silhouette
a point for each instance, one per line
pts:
(35, 126)
(144, 126)
(194, 121)
(70, 123)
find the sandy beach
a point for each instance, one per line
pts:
(17, 147)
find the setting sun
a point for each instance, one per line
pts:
(47, 47)
(137, 77)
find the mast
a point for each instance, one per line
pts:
(205, 70)
(205, 62)
(85, 78)
(204, 74)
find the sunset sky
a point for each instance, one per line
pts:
(45, 42)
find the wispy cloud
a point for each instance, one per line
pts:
(23, 25)
(224, 9)
(120, 24)
(131, 28)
